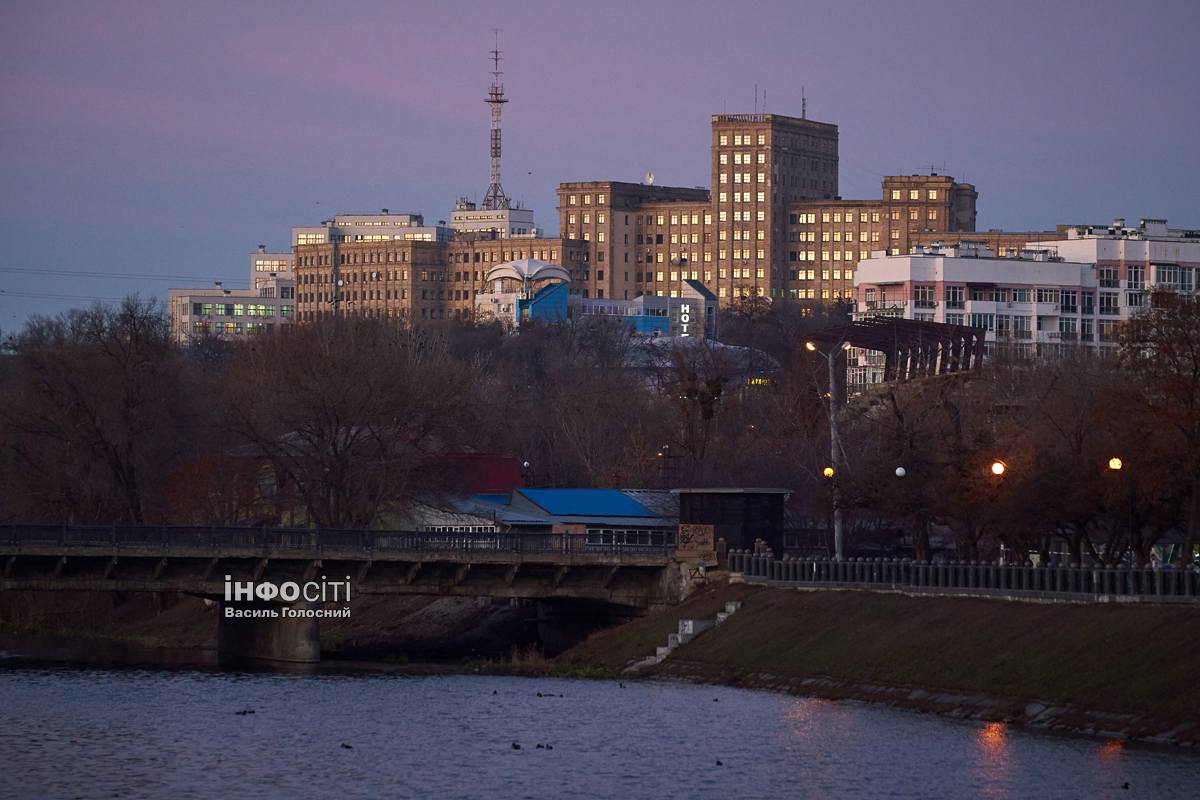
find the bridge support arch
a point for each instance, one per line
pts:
(258, 632)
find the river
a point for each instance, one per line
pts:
(82, 732)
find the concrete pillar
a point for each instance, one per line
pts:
(279, 638)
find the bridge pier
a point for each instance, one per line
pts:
(260, 632)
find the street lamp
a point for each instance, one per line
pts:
(1115, 464)
(901, 472)
(835, 439)
(998, 467)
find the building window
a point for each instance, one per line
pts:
(895, 194)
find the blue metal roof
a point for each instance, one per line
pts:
(586, 502)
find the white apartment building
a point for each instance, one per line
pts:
(499, 223)
(237, 313)
(1077, 289)
(382, 227)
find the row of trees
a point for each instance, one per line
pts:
(104, 420)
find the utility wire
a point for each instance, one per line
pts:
(93, 274)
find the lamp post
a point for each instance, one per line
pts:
(835, 440)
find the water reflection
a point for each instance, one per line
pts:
(180, 735)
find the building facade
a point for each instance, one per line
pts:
(770, 224)
(1077, 289)
(237, 313)
(504, 223)
(403, 278)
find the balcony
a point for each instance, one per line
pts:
(925, 304)
(956, 304)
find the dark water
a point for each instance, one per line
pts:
(160, 734)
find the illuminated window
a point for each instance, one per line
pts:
(895, 194)
(933, 194)
(914, 194)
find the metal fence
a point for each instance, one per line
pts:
(166, 538)
(983, 578)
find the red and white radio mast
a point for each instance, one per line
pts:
(495, 198)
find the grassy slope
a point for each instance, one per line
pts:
(1101, 657)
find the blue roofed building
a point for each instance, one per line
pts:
(519, 292)
(607, 516)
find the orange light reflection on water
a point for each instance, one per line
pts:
(991, 738)
(1111, 749)
(993, 765)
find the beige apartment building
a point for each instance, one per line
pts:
(771, 223)
(731, 236)
(414, 279)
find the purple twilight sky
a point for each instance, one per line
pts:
(165, 138)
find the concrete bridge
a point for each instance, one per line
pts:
(254, 572)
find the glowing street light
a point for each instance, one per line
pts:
(810, 347)
(998, 468)
(827, 472)
(1115, 463)
(901, 472)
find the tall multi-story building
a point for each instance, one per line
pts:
(234, 313)
(731, 237)
(771, 223)
(826, 239)
(627, 228)
(411, 278)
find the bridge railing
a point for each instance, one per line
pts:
(982, 578)
(15, 537)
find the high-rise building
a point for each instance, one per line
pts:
(770, 225)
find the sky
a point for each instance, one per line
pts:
(160, 142)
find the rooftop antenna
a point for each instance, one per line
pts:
(756, 98)
(803, 104)
(764, 100)
(495, 199)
